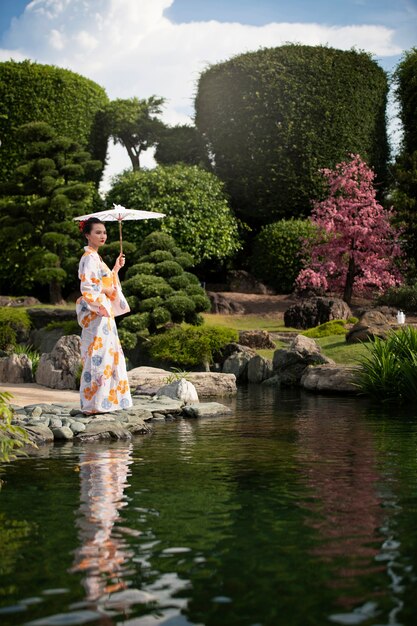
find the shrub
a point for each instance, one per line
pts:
(156, 241)
(201, 301)
(198, 215)
(157, 256)
(136, 323)
(150, 303)
(389, 369)
(403, 297)
(7, 338)
(185, 260)
(192, 278)
(195, 290)
(16, 318)
(140, 268)
(147, 286)
(127, 339)
(334, 327)
(31, 353)
(168, 269)
(180, 307)
(179, 282)
(278, 250)
(187, 345)
(69, 327)
(160, 315)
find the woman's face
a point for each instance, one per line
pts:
(98, 236)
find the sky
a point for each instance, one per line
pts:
(159, 47)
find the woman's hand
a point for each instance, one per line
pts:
(109, 291)
(120, 261)
(103, 311)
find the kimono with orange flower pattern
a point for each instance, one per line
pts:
(104, 385)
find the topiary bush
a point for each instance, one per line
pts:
(18, 320)
(190, 346)
(165, 293)
(334, 327)
(7, 338)
(278, 249)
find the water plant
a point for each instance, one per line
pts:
(388, 370)
(12, 437)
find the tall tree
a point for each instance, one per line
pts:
(134, 124)
(38, 239)
(181, 144)
(273, 117)
(359, 247)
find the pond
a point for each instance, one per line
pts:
(296, 510)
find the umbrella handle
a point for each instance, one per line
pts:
(120, 236)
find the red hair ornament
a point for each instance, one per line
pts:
(81, 225)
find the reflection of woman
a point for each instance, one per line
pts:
(101, 555)
(104, 385)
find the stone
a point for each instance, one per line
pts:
(207, 384)
(42, 317)
(180, 390)
(16, 368)
(223, 305)
(63, 433)
(139, 428)
(44, 340)
(77, 427)
(206, 409)
(260, 339)
(330, 378)
(237, 364)
(315, 311)
(241, 281)
(259, 369)
(59, 368)
(97, 430)
(39, 434)
(55, 422)
(19, 301)
(289, 364)
(37, 411)
(371, 324)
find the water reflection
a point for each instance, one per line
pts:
(103, 552)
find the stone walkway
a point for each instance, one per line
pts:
(30, 393)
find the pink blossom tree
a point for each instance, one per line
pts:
(358, 249)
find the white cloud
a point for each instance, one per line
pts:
(132, 49)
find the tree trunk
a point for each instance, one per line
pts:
(55, 294)
(350, 277)
(133, 156)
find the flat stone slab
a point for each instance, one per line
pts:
(206, 409)
(330, 378)
(207, 384)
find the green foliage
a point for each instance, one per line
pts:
(70, 103)
(168, 269)
(69, 327)
(7, 338)
(147, 286)
(181, 307)
(389, 369)
(181, 144)
(136, 323)
(334, 327)
(186, 345)
(39, 242)
(274, 117)
(111, 251)
(140, 268)
(403, 297)
(406, 91)
(11, 437)
(127, 339)
(278, 252)
(15, 317)
(31, 353)
(174, 295)
(198, 216)
(134, 124)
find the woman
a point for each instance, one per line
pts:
(104, 386)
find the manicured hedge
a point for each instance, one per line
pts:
(70, 103)
(274, 117)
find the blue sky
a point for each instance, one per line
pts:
(144, 47)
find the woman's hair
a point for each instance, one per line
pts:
(86, 225)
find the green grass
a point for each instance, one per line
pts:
(247, 322)
(335, 347)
